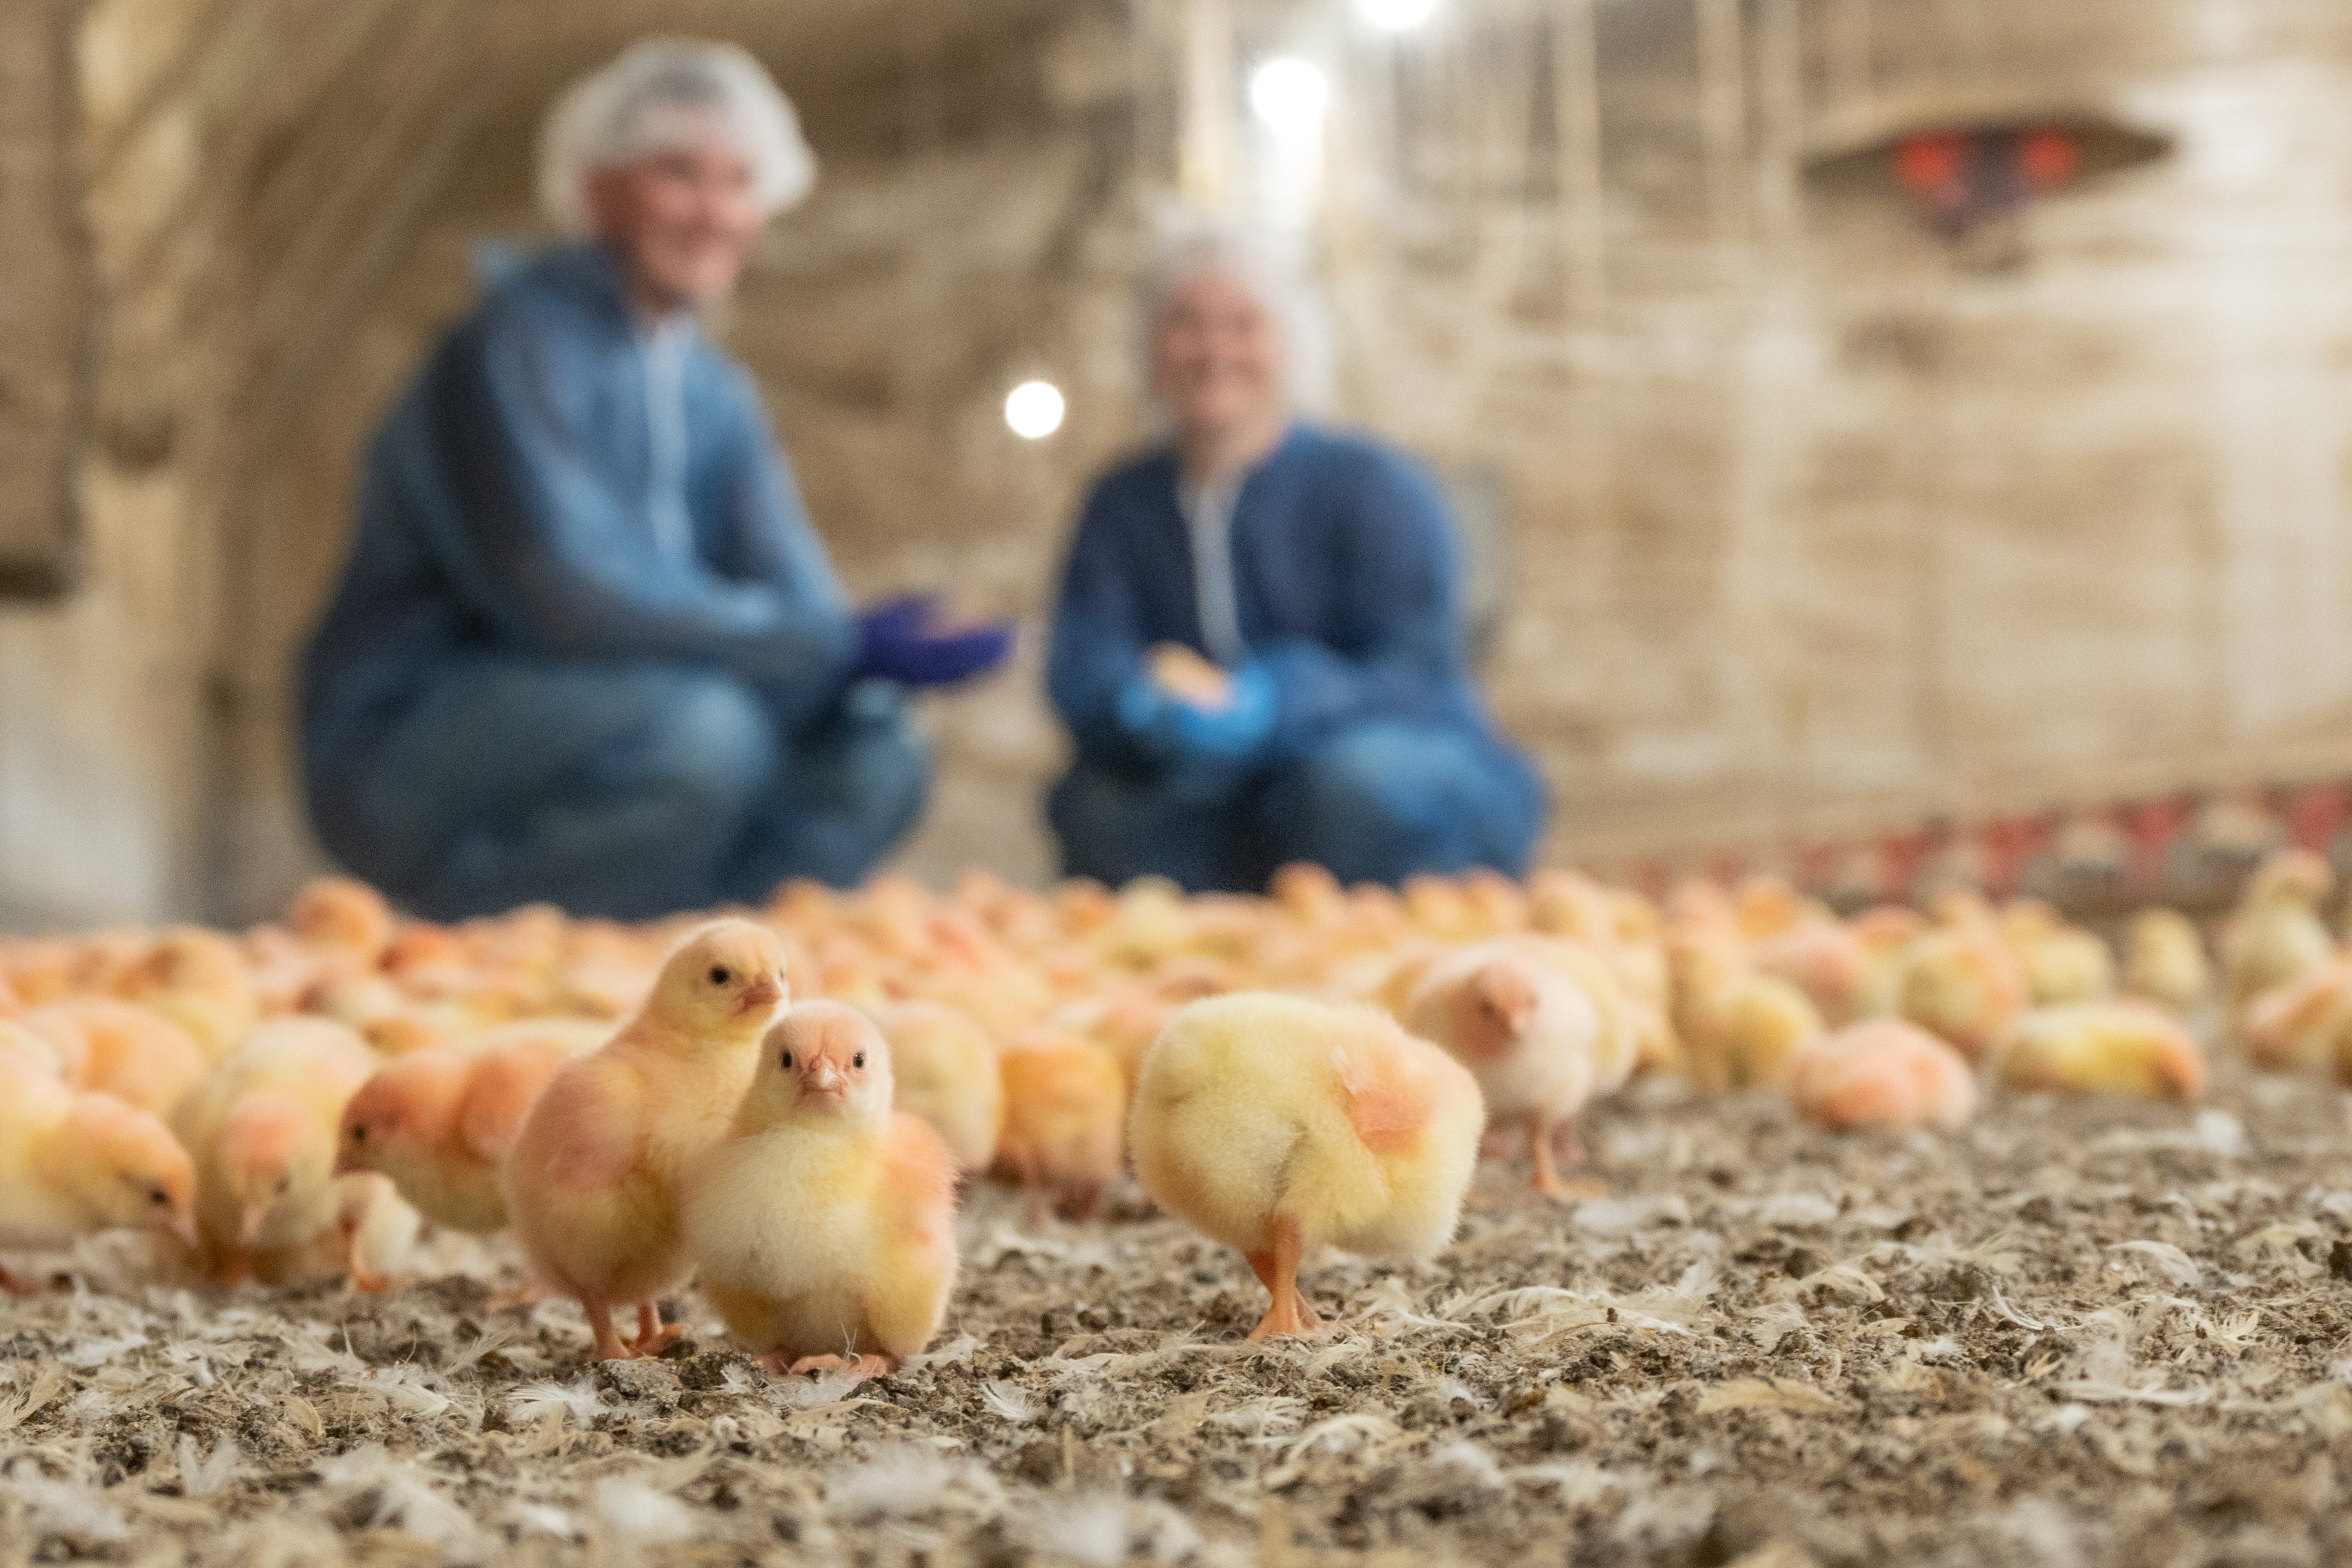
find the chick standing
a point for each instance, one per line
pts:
(74, 1162)
(1538, 1042)
(261, 1129)
(943, 1070)
(824, 1227)
(593, 1181)
(2275, 936)
(1065, 1100)
(2163, 960)
(1277, 1125)
(440, 1121)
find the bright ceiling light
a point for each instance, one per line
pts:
(1291, 95)
(1396, 15)
(1034, 409)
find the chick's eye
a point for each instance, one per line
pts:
(785, 1061)
(158, 1196)
(720, 974)
(359, 1134)
(858, 1061)
(284, 1183)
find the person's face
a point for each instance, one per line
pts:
(683, 218)
(1217, 355)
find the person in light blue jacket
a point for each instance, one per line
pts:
(1317, 570)
(587, 648)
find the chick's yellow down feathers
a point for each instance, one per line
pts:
(2101, 1047)
(594, 1180)
(261, 1129)
(74, 1162)
(1276, 1125)
(944, 1071)
(824, 1225)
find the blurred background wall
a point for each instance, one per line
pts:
(1813, 519)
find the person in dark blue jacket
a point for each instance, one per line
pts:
(587, 648)
(1317, 572)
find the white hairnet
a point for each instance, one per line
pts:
(658, 93)
(1192, 247)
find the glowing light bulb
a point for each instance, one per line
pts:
(1034, 409)
(1291, 95)
(1396, 15)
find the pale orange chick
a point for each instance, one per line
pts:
(2276, 935)
(439, 1122)
(1824, 960)
(944, 1071)
(341, 915)
(2101, 1047)
(74, 1162)
(2296, 1027)
(133, 1053)
(1065, 1104)
(2165, 962)
(823, 1228)
(1538, 1042)
(197, 979)
(1882, 1072)
(1279, 1125)
(261, 1129)
(594, 1180)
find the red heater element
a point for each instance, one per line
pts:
(1962, 178)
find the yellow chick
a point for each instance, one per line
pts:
(1277, 1125)
(2163, 960)
(2276, 935)
(1882, 1072)
(72, 1164)
(824, 1227)
(944, 1071)
(2061, 963)
(1737, 1028)
(2296, 1028)
(1536, 1041)
(2101, 1047)
(1961, 983)
(133, 1053)
(594, 1180)
(197, 979)
(261, 1129)
(1065, 1103)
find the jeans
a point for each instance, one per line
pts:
(1374, 803)
(623, 792)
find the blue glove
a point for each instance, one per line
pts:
(1176, 731)
(894, 642)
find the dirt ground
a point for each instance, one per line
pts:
(2077, 1335)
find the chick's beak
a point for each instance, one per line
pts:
(761, 995)
(822, 1083)
(249, 1221)
(347, 1161)
(183, 1225)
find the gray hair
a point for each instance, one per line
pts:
(656, 94)
(1273, 271)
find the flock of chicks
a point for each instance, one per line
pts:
(640, 1106)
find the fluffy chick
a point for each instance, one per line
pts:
(2061, 962)
(824, 1227)
(943, 1070)
(197, 979)
(1882, 1072)
(72, 1163)
(2101, 1047)
(1738, 1028)
(1276, 1125)
(593, 1181)
(261, 1129)
(341, 915)
(2163, 960)
(1065, 1101)
(1962, 984)
(440, 1121)
(131, 1052)
(2276, 935)
(1534, 1038)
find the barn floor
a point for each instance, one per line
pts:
(2078, 1334)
